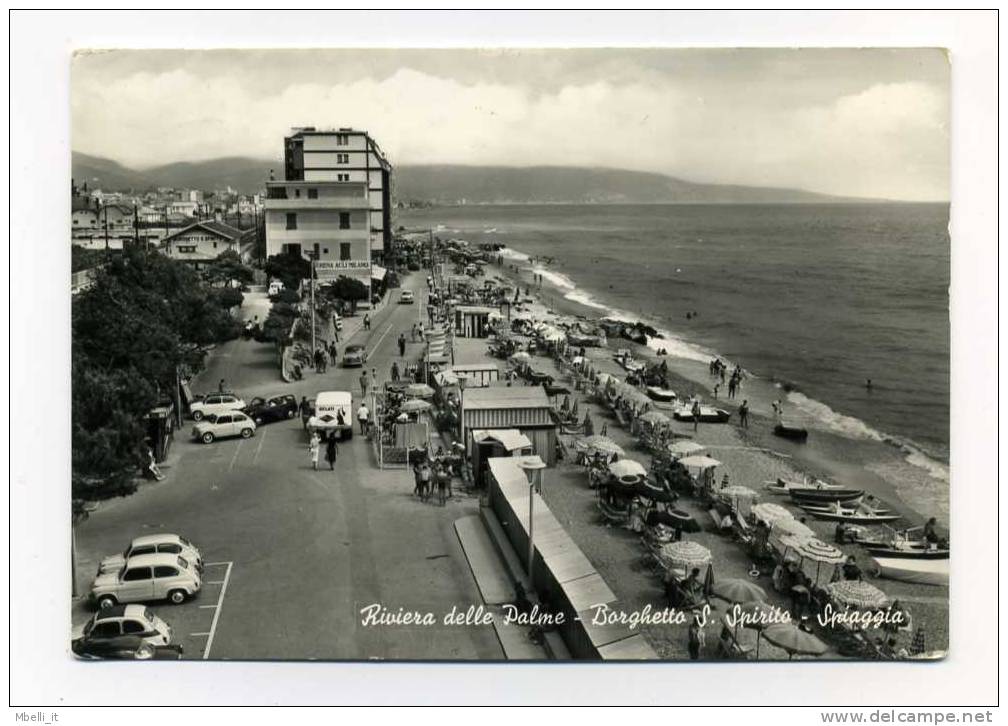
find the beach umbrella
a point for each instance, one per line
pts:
(627, 470)
(858, 594)
(414, 404)
(817, 551)
(736, 590)
(685, 555)
(788, 527)
(605, 378)
(600, 444)
(700, 462)
(770, 513)
(753, 615)
(794, 640)
(685, 448)
(419, 390)
(655, 418)
(577, 360)
(520, 357)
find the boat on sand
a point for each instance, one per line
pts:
(708, 414)
(920, 571)
(824, 496)
(660, 394)
(784, 486)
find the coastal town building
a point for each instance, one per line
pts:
(328, 221)
(345, 155)
(203, 242)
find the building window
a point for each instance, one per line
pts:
(291, 220)
(325, 250)
(342, 140)
(342, 158)
(297, 193)
(313, 193)
(344, 251)
(343, 177)
(315, 253)
(344, 220)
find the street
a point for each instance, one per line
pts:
(298, 553)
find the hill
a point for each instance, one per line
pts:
(450, 183)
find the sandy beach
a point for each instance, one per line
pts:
(749, 457)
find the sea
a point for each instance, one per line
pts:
(812, 299)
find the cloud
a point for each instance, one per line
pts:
(885, 139)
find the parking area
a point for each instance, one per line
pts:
(194, 622)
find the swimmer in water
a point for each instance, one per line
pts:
(868, 384)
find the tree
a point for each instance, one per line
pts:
(145, 316)
(227, 267)
(348, 290)
(289, 269)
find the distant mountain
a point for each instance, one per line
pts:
(450, 184)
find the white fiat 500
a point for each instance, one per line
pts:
(150, 544)
(215, 403)
(146, 578)
(223, 425)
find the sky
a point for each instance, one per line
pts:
(852, 122)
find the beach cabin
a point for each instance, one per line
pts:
(493, 443)
(525, 408)
(473, 321)
(477, 375)
(562, 576)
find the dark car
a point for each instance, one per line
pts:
(125, 647)
(267, 410)
(354, 355)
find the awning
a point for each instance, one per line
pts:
(511, 439)
(378, 272)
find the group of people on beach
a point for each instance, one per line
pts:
(719, 369)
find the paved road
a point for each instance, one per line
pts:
(300, 552)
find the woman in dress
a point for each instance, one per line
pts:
(313, 450)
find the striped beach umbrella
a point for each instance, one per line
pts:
(627, 469)
(685, 555)
(858, 594)
(655, 418)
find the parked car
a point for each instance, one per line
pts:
(266, 410)
(125, 647)
(215, 403)
(149, 544)
(223, 425)
(145, 578)
(406, 297)
(132, 620)
(354, 355)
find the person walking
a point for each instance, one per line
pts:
(333, 353)
(362, 417)
(402, 345)
(442, 483)
(394, 373)
(313, 450)
(335, 326)
(717, 387)
(416, 480)
(425, 480)
(696, 414)
(363, 383)
(743, 413)
(220, 386)
(367, 322)
(322, 358)
(332, 450)
(304, 408)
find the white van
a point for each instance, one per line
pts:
(330, 407)
(275, 287)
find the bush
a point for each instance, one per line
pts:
(288, 296)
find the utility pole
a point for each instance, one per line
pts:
(312, 278)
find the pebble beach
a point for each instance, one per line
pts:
(749, 456)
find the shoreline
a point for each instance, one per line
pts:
(856, 462)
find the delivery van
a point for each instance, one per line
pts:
(333, 412)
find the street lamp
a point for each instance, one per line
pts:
(531, 465)
(462, 380)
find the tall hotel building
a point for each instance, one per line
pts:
(334, 204)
